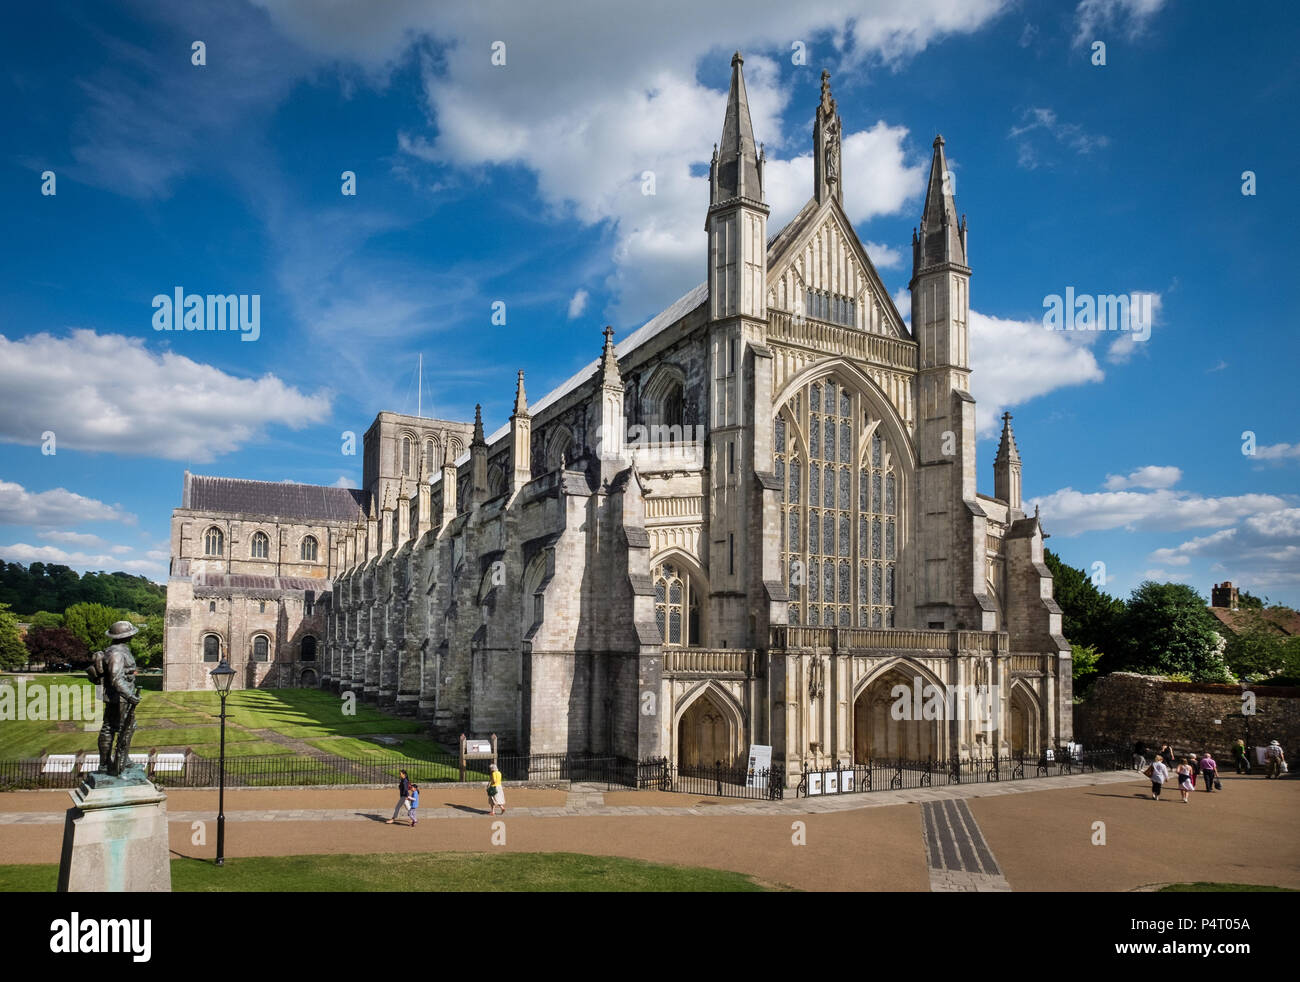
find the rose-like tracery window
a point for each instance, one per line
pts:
(840, 531)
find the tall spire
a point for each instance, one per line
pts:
(609, 374)
(1006, 467)
(736, 171)
(940, 238)
(521, 399)
(1007, 448)
(478, 439)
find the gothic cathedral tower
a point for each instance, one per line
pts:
(737, 228)
(940, 289)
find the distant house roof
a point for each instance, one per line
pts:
(1282, 621)
(308, 502)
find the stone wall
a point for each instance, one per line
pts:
(1123, 708)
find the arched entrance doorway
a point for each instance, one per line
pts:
(878, 736)
(1024, 722)
(705, 734)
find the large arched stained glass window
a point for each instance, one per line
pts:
(677, 605)
(840, 521)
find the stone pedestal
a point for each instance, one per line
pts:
(115, 836)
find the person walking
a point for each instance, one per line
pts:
(1139, 756)
(496, 792)
(1158, 773)
(1167, 753)
(1210, 771)
(1240, 757)
(1276, 759)
(403, 792)
(413, 803)
(1186, 779)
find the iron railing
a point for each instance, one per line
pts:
(908, 775)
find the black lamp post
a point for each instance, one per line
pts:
(222, 677)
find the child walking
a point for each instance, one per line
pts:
(413, 802)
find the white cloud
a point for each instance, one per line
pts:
(59, 506)
(1151, 476)
(1015, 361)
(603, 119)
(1092, 16)
(1143, 314)
(345, 482)
(883, 256)
(1069, 512)
(83, 539)
(1262, 552)
(21, 552)
(577, 304)
(1041, 120)
(159, 405)
(1278, 451)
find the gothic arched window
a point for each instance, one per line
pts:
(261, 648)
(308, 550)
(309, 648)
(213, 542)
(406, 455)
(261, 545)
(840, 530)
(431, 461)
(211, 648)
(677, 605)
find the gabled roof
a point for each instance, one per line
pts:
(310, 502)
(783, 246)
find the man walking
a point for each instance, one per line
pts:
(403, 792)
(1275, 758)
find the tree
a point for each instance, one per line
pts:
(1167, 630)
(45, 618)
(1083, 660)
(90, 623)
(1089, 617)
(56, 645)
(1248, 601)
(13, 653)
(147, 646)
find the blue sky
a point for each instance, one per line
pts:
(522, 182)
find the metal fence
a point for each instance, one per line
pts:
(610, 772)
(907, 775)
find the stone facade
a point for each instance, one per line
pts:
(747, 523)
(1123, 708)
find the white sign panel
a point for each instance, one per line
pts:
(478, 746)
(760, 760)
(814, 783)
(832, 782)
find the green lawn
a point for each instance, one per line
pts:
(1203, 887)
(421, 873)
(176, 720)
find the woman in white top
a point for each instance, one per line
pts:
(1158, 773)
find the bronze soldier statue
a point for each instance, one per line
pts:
(115, 669)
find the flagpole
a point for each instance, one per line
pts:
(419, 407)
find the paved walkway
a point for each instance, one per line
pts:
(1037, 834)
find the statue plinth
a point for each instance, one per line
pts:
(115, 836)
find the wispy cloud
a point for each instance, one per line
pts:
(1039, 122)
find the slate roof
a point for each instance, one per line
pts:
(308, 502)
(250, 581)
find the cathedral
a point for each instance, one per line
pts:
(752, 521)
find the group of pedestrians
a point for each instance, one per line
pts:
(1186, 768)
(408, 796)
